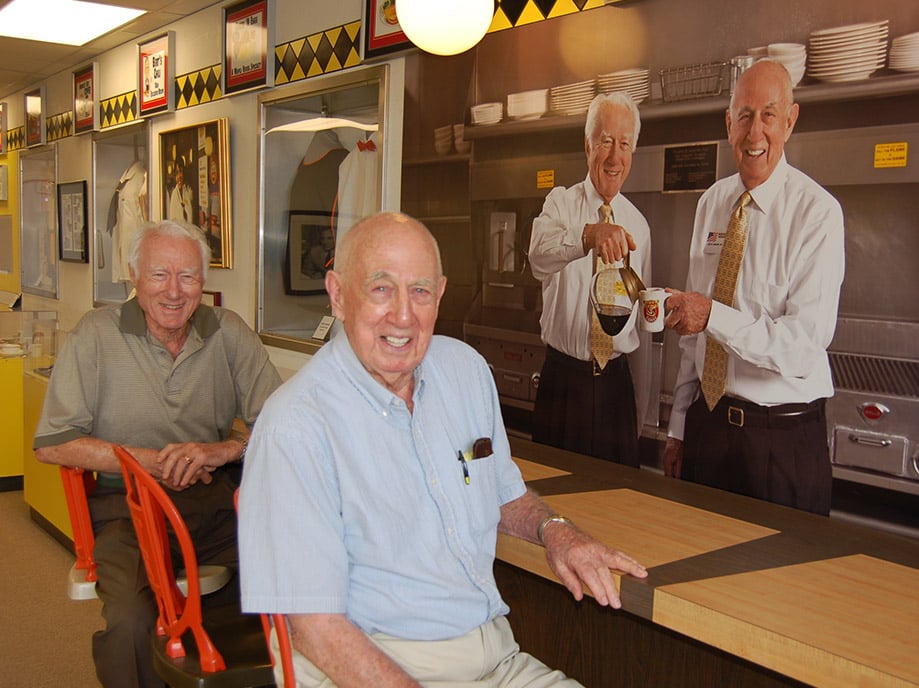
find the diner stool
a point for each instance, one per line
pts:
(79, 484)
(226, 654)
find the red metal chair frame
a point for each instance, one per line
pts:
(151, 509)
(280, 624)
(78, 485)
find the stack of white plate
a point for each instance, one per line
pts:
(443, 139)
(632, 81)
(792, 55)
(487, 113)
(904, 53)
(847, 53)
(527, 105)
(572, 99)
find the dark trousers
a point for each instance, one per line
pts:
(779, 454)
(586, 413)
(121, 651)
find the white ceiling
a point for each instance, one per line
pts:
(26, 63)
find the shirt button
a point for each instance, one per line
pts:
(385, 414)
(451, 532)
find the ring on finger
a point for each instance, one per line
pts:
(187, 459)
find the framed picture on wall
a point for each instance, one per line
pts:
(156, 74)
(211, 298)
(246, 37)
(34, 109)
(381, 33)
(195, 183)
(73, 228)
(310, 252)
(85, 100)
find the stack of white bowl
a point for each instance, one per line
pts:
(443, 139)
(792, 55)
(904, 53)
(527, 104)
(462, 146)
(487, 113)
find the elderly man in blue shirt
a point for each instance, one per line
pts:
(377, 480)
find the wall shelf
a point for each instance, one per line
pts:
(874, 87)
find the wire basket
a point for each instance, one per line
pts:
(694, 81)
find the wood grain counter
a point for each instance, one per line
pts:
(740, 592)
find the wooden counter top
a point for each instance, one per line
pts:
(823, 602)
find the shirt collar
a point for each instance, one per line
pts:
(133, 321)
(765, 194)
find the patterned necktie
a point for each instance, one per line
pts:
(601, 344)
(715, 370)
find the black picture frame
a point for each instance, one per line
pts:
(85, 100)
(310, 240)
(73, 227)
(247, 62)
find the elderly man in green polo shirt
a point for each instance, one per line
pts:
(164, 376)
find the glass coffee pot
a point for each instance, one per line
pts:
(610, 298)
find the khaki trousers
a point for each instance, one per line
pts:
(486, 657)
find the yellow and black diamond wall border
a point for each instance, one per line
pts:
(320, 53)
(59, 126)
(197, 88)
(118, 110)
(15, 138)
(513, 13)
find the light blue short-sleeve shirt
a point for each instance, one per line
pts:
(350, 504)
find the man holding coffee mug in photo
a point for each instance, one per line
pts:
(765, 269)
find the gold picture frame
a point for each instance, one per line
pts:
(195, 183)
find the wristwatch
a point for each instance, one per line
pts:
(551, 518)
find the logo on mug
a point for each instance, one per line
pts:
(651, 310)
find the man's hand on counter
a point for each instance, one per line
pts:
(579, 560)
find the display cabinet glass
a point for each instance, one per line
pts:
(121, 208)
(321, 155)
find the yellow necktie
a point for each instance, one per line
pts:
(601, 344)
(715, 369)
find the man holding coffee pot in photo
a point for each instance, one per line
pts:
(766, 265)
(586, 401)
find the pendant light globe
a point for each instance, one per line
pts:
(445, 27)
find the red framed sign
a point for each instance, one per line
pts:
(382, 33)
(155, 74)
(85, 110)
(245, 45)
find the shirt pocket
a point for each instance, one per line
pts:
(767, 298)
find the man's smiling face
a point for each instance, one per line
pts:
(609, 150)
(760, 121)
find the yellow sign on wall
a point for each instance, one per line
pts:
(890, 154)
(545, 179)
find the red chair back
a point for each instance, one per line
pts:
(151, 510)
(78, 485)
(280, 624)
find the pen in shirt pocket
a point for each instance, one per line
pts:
(481, 449)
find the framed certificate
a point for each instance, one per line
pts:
(85, 100)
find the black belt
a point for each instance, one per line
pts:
(577, 365)
(739, 413)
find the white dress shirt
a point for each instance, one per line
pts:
(558, 260)
(787, 293)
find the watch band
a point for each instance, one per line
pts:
(551, 518)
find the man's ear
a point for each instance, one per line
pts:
(336, 294)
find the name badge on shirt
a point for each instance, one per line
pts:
(714, 242)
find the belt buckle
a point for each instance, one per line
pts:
(595, 368)
(735, 416)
